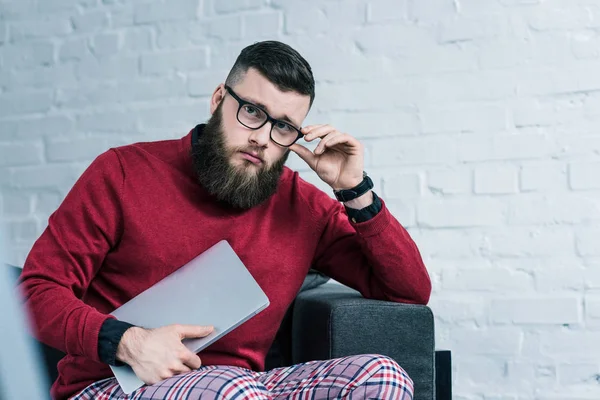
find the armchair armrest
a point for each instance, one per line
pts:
(335, 321)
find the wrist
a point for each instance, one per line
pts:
(360, 202)
(129, 344)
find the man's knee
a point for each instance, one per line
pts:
(387, 373)
(233, 383)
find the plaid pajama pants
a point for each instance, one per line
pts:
(356, 377)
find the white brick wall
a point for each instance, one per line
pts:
(480, 119)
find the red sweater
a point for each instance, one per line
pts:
(138, 213)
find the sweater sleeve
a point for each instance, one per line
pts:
(68, 254)
(376, 257)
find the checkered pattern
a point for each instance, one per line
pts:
(356, 377)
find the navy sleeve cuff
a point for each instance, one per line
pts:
(110, 335)
(366, 213)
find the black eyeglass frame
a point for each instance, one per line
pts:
(242, 103)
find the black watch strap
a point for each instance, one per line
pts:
(357, 191)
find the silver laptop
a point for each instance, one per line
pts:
(215, 288)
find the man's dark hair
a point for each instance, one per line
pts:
(277, 62)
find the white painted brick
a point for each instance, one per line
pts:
(106, 44)
(519, 2)
(585, 45)
(578, 373)
(3, 32)
(23, 231)
(478, 8)
(21, 153)
(592, 310)
(204, 83)
(16, 204)
(51, 176)
(431, 12)
(499, 341)
(368, 124)
(496, 179)
(224, 28)
(565, 278)
(39, 77)
(92, 21)
(505, 147)
(45, 7)
(503, 53)
(237, 5)
(459, 28)
(73, 49)
(535, 209)
(29, 102)
(457, 310)
(584, 176)
(40, 28)
(46, 202)
(526, 311)
(304, 18)
(515, 242)
(403, 211)
(80, 149)
(173, 119)
(464, 118)
(545, 176)
(418, 150)
(452, 213)
(569, 346)
(588, 242)
(17, 9)
(450, 181)
(138, 39)
(262, 26)
(547, 112)
(560, 18)
(341, 15)
(547, 81)
(29, 55)
(108, 121)
(179, 60)
(401, 186)
(467, 86)
(165, 11)
(113, 68)
(447, 244)
(387, 10)
(24, 129)
(486, 280)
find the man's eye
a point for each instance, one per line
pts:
(283, 127)
(250, 110)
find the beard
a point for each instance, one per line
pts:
(241, 187)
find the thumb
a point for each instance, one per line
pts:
(193, 331)
(304, 153)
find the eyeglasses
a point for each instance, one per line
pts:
(254, 117)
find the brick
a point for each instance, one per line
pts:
(560, 19)
(443, 244)
(585, 45)
(496, 179)
(418, 150)
(30, 55)
(21, 153)
(227, 28)
(488, 341)
(16, 204)
(106, 44)
(263, 26)
(374, 97)
(39, 28)
(578, 373)
(3, 32)
(431, 11)
(542, 209)
(569, 346)
(179, 60)
(30, 102)
(459, 28)
(25, 230)
(458, 310)
(551, 278)
(372, 39)
(108, 121)
(583, 176)
(25, 129)
(592, 310)
(464, 118)
(374, 124)
(402, 186)
(177, 118)
(548, 81)
(450, 181)
(535, 311)
(45, 7)
(51, 176)
(120, 68)
(165, 11)
(92, 21)
(306, 18)
(451, 213)
(519, 2)
(81, 148)
(526, 145)
(467, 86)
(546, 113)
(587, 241)
(403, 211)
(387, 10)
(17, 9)
(504, 53)
(526, 242)
(73, 49)
(138, 39)
(237, 5)
(204, 83)
(486, 280)
(47, 77)
(46, 202)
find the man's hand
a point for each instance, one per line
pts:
(158, 354)
(338, 159)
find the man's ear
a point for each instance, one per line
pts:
(217, 97)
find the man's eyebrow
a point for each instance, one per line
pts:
(264, 107)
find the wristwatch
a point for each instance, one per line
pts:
(357, 191)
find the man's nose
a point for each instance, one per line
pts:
(261, 136)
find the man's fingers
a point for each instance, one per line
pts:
(319, 131)
(191, 360)
(324, 141)
(304, 154)
(193, 331)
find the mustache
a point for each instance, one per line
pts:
(259, 152)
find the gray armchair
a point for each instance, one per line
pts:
(330, 321)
